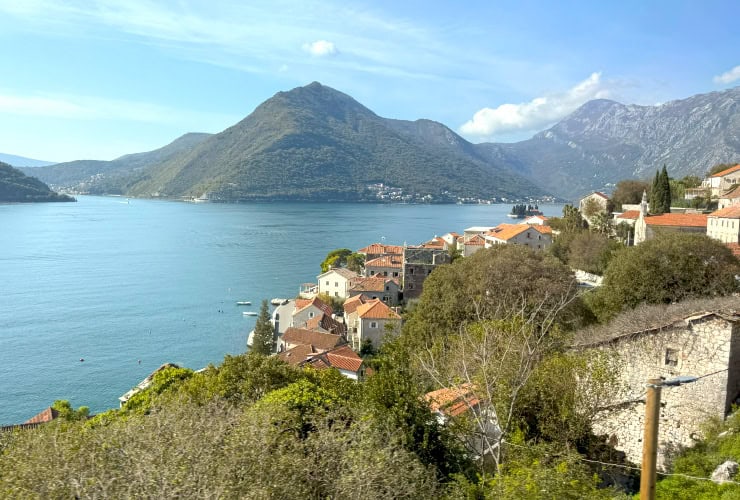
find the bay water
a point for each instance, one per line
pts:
(95, 295)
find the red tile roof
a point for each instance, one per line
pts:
(476, 240)
(325, 322)
(47, 415)
(629, 214)
(542, 229)
(370, 284)
(381, 249)
(732, 193)
(726, 171)
(452, 401)
(344, 358)
(352, 303)
(390, 261)
(731, 212)
(319, 340)
(376, 309)
(301, 304)
(297, 354)
(677, 220)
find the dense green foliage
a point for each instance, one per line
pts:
(263, 339)
(17, 187)
(669, 268)
(343, 257)
(591, 251)
(628, 192)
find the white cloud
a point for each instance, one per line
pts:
(535, 114)
(320, 48)
(728, 76)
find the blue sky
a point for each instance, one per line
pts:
(96, 79)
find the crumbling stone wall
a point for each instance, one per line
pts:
(696, 347)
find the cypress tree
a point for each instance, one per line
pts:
(665, 189)
(655, 194)
(263, 339)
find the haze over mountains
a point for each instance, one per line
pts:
(315, 143)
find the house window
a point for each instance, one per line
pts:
(671, 357)
(327, 283)
(373, 324)
(385, 298)
(310, 315)
(336, 294)
(387, 288)
(395, 274)
(372, 273)
(411, 270)
(385, 273)
(336, 284)
(411, 286)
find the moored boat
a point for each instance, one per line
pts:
(243, 303)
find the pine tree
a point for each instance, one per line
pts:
(263, 339)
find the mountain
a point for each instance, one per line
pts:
(315, 143)
(21, 161)
(110, 177)
(604, 141)
(15, 186)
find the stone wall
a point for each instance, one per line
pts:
(695, 347)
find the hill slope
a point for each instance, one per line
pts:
(315, 143)
(110, 177)
(604, 141)
(15, 186)
(22, 161)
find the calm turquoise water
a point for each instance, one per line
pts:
(127, 287)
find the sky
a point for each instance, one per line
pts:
(97, 79)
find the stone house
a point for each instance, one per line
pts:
(533, 236)
(722, 182)
(336, 282)
(418, 263)
(730, 198)
(369, 319)
(724, 224)
(472, 231)
(343, 358)
(595, 201)
(386, 266)
(378, 287)
(307, 309)
(698, 338)
(472, 245)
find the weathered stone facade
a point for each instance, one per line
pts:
(418, 263)
(703, 344)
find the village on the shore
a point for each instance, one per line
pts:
(356, 304)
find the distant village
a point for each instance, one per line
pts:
(347, 314)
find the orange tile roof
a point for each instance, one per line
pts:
(475, 240)
(391, 261)
(629, 214)
(376, 309)
(507, 231)
(542, 229)
(452, 401)
(677, 220)
(325, 322)
(352, 303)
(731, 212)
(726, 171)
(380, 249)
(319, 340)
(344, 358)
(370, 284)
(301, 304)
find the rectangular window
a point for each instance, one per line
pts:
(395, 274)
(373, 324)
(411, 270)
(327, 283)
(671, 357)
(387, 288)
(336, 284)
(336, 294)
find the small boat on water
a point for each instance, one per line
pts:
(243, 303)
(249, 313)
(278, 302)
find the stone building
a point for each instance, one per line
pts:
(418, 263)
(698, 338)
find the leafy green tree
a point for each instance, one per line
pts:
(263, 339)
(628, 192)
(591, 252)
(66, 412)
(672, 267)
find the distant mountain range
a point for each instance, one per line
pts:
(21, 161)
(17, 187)
(315, 143)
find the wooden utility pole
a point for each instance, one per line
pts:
(650, 440)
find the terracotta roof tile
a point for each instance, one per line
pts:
(506, 232)
(542, 229)
(731, 212)
(369, 284)
(297, 354)
(319, 340)
(344, 358)
(677, 220)
(325, 322)
(452, 401)
(381, 249)
(352, 303)
(476, 240)
(390, 261)
(376, 309)
(629, 215)
(726, 171)
(47, 415)
(301, 304)
(732, 193)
